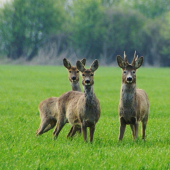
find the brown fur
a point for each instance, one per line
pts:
(73, 74)
(80, 109)
(48, 107)
(134, 103)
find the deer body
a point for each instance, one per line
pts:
(48, 108)
(134, 103)
(80, 109)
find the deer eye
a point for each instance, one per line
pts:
(69, 71)
(83, 75)
(133, 72)
(91, 74)
(77, 71)
(124, 72)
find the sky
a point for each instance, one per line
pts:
(2, 2)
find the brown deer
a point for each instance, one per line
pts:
(134, 103)
(77, 108)
(73, 74)
(47, 108)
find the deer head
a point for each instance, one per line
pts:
(129, 70)
(73, 72)
(87, 74)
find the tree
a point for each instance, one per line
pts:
(27, 24)
(123, 32)
(87, 27)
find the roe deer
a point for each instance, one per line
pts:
(77, 108)
(134, 103)
(47, 108)
(73, 74)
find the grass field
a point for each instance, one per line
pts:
(23, 87)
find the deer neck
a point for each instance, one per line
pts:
(76, 86)
(128, 95)
(89, 94)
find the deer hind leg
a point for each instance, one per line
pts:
(84, 130)
(122, 128)
(43, 125)
(46, 125)
(91, 133)
(133, 130)
(51, 125)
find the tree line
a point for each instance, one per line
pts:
(99, 29)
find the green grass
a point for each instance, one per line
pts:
(23, 87)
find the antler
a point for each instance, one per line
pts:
(125, 59)
(134, 59)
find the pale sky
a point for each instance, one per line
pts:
(2, 2)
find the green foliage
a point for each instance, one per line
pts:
(90, 28)
(165, 32)
(150, 8)
(87, 30)
(122, 27)
(23, 87)
(28, 24)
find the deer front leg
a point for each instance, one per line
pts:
(91, 133)
(73, 131)
(122, 128)
(60, 124)
(84, 129)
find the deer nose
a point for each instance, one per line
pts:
(87, 81)
(129, 79)
(73, 78)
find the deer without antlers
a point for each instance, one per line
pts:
(80, 109)
(73, 74)
(48, 109)
(134, 103)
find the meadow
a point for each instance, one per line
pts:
(23, 87)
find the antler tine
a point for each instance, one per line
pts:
(135, 54)
(134, 59)
(125, 59)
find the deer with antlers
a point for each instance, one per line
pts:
(48, 108)
(134, 103)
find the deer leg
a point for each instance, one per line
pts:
(122, 128)
(43, 125)
(70, 132)
(46, 125)
(84, 129)
(51, 125)
(136, 130)
(92, 129)
(58, 128)
(78, 130)
(144, 122)
(133, 130)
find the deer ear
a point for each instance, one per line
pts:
(83, 61)
(94, 65)
(66, 63)
(138, 62)
(80, 66)
(120, 62)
